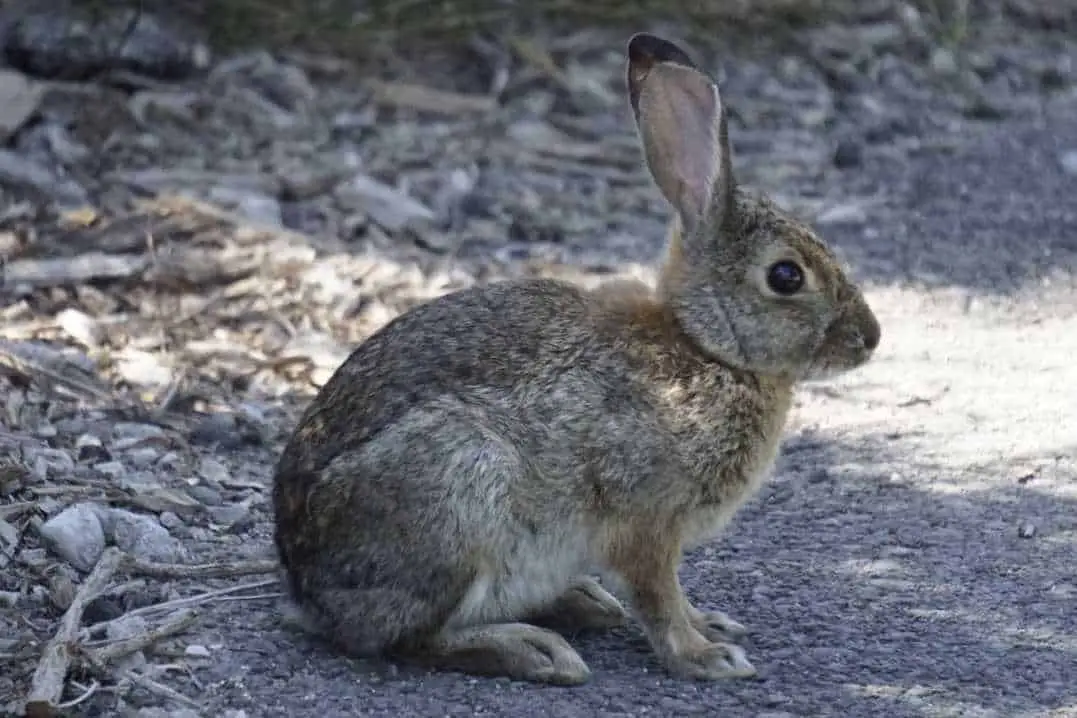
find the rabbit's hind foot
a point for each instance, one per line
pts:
(514, 650)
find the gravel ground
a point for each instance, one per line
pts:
(913, 554)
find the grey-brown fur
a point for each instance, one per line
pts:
(471, 464)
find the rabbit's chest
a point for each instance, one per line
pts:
(727, 448)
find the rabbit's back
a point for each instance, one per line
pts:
(476, 345)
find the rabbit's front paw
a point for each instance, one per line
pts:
(710, 662)
(588, 605)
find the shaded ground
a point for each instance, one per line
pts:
(913, 555)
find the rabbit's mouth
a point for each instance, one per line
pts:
(848, 344)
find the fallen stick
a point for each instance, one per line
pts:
(195, 600)
(47, 686)
(57, 271)
(177, 623)
(87, 693)
(159, 689)
(199, 570)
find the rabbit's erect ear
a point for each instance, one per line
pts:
(682, 125)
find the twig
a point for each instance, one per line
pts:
(253, 597)
(74, 270)
(9, 511)
(86, 694)
(159, 688)
(200, 570)
(206, 597)
(48, 682)
(179, 622)
(426, 99)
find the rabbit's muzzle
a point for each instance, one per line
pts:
(849, 342)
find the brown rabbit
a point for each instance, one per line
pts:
(471, 464)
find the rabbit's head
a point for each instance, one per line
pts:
(748, 283)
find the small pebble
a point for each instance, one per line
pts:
(214, 472)
(135, 430)
(847, 154)
(196, 651)
(1068, 160)
(848, 213)
(170, 520)
(143, 457)
(112, 469)
(91, 448)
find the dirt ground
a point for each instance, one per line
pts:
(187, 259)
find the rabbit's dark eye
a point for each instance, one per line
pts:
(785, 278)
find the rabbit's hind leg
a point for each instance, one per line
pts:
(514, 650)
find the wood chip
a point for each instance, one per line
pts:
(58, 271)
(426, 99)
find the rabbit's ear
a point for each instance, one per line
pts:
(682, 126)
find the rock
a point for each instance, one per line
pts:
(81, 327)
(234, 518)
(142, 368)
(72, 44)
(847, 154)
(19, 100)
(257, 208)
(51, 463)
(205, 495)
(213, 472)
(76, 535)
(1068, 160)
(113, 469)
(284, 85)
(91, 448)
(141, 536)
(220, 429)
(142, 457)
(161, 180)
(943, 61)
(152, 712)
(9, 536)
(386, 205)
(196, 651)
(135, 431)
(63, 146)
(170, 520)
(304, 183)
(1026, 530)
(24, 173)
(184, 713)
(848, 213)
